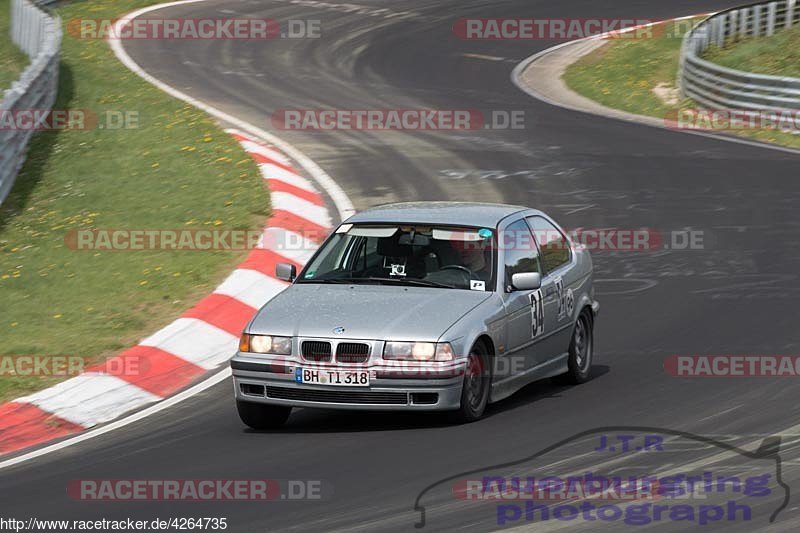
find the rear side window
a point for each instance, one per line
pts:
(553, 244)
(520, 250)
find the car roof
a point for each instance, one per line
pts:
(444, 213)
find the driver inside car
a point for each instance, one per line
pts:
(475, 260)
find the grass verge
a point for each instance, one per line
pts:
(12, 60)
(624, 72)
(630, 74)
(777, 55)
(172, 169)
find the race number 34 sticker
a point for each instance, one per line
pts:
(566, 300)
(537, 313)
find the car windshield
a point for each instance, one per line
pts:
(445, 257)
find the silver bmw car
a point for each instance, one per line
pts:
(421, 306)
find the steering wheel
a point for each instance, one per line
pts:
(441, 275)
(464, 269)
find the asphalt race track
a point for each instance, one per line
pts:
(738, 295)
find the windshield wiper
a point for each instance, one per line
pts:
(334, 280)
(407, 281)
(375, 279)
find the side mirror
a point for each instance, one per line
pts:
(285, 271)
(526, 281)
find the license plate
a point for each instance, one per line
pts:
(341, 378)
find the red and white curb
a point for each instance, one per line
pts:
(201, 340)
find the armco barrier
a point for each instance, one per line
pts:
(38, 34)
(719, 87)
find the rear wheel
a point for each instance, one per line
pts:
(581, 351)
(477, 382)
(261, 416)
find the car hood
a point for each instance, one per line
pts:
(378, 312)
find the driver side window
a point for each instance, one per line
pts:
(521, 254)
(555, 247)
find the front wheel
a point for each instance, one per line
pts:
(581, 351)
(260, 416)
(477, 382)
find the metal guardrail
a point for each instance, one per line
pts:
(38, 34)
(718, 87)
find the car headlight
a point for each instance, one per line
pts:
(266, 344)
(418, 351)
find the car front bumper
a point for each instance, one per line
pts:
(434, 387)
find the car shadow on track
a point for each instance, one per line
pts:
(338, 421)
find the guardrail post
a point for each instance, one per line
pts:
(790, 13)
(743, 14)
(30, 16)
(23, 21)
(35, 31)
(772, 11)
(720, 30)
(15, 25)
(711, 33)
(756, 21)
(734, 17)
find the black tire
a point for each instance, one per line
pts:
(581, 351)
(477, 384)
(261, 416)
